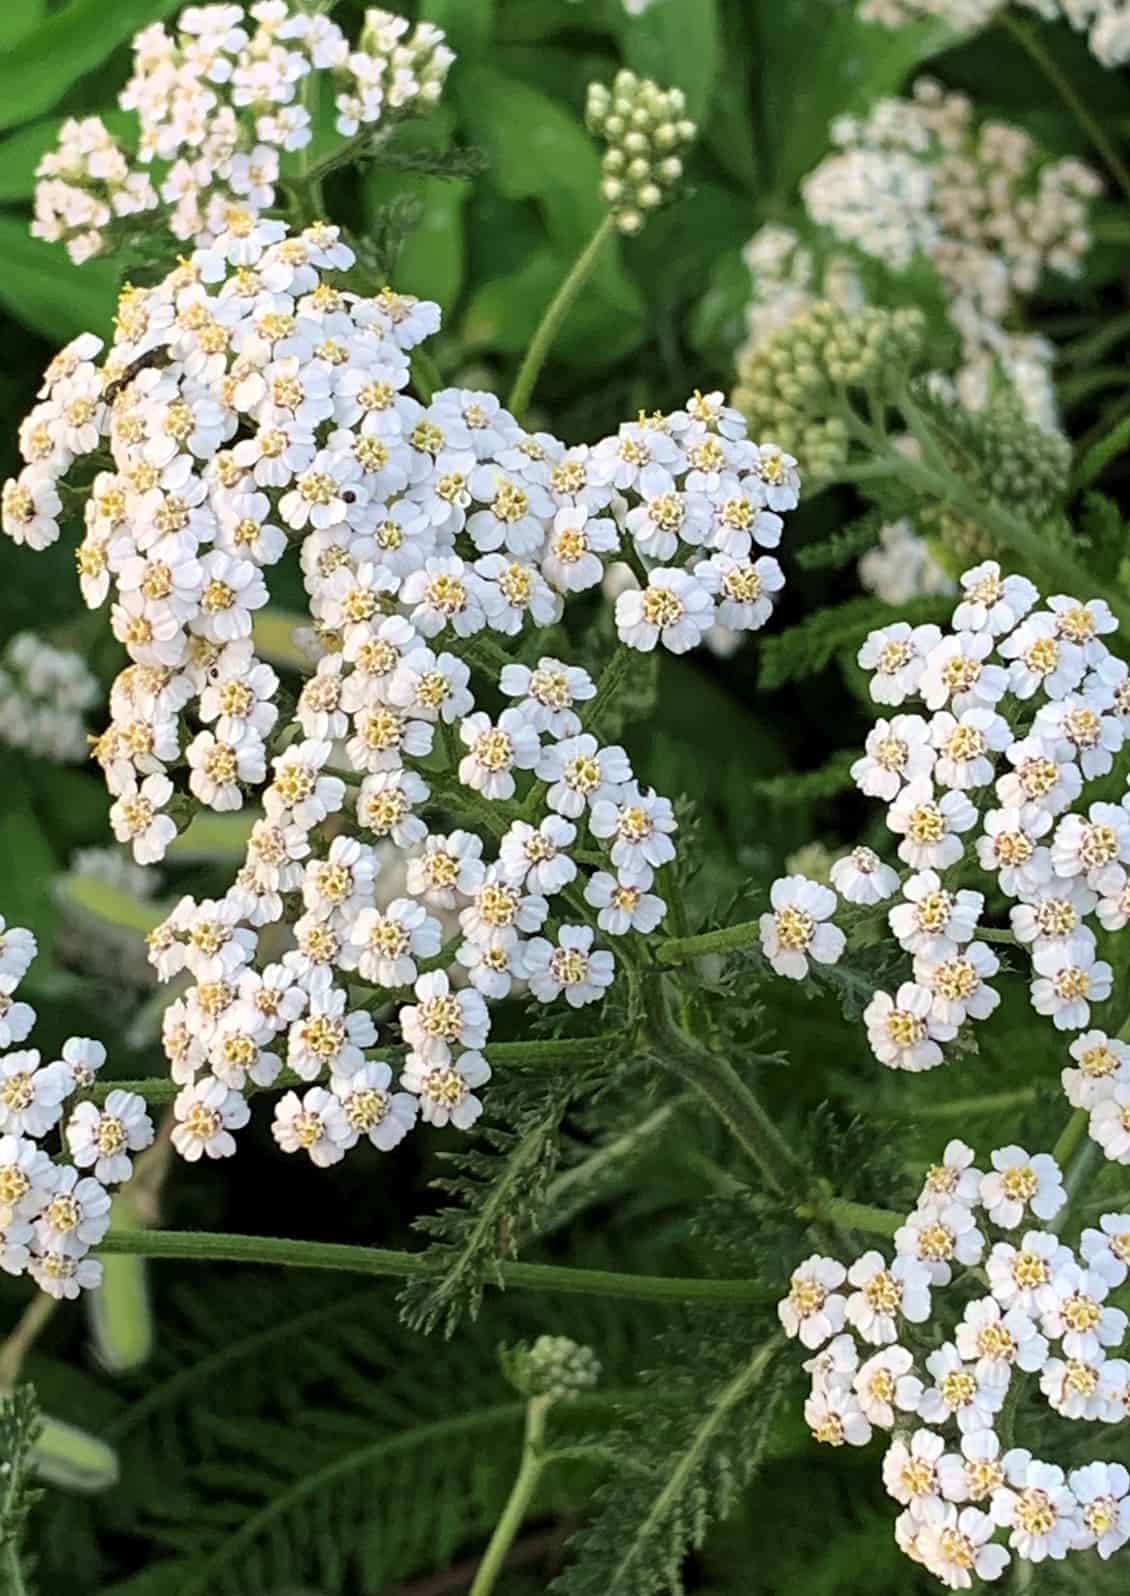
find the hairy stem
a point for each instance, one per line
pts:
(521, 1494)
(213, 1246)
(728, 939)
(853, 1216)
(559, 307)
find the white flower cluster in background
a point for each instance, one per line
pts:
(253, 413)
(220, 104)
(59, 1152)
(970, 1497)
(1027, 705)
(1105, 22)
(44, 694)
(786, 277)
(921, 177)
(901, 566)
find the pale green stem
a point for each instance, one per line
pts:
(1091, 122)
(853, 1216)
(215, 1246)
(559, 307)
(521, 1494)
(729, 939)
(23, 1337)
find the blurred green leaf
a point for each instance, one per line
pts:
(22, 152)
(71, 42)
(505, 311)
(678, 43)
(19, 17)
(42, 287)
(467, 23)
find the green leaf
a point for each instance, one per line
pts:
(468, 24)
(42, 288)
(22, 152)
(678, 43)
(817, 61)
(19, 17)
(71, 42)
(505, 311)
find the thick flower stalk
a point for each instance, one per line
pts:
(249, 415)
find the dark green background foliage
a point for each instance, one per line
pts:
(295, 1434)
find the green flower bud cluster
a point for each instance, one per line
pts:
(644, 127)
(792, 387)
(554, 1367)
(1007, 459)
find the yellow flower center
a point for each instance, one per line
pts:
(569, 966)
(926, 824)
(795, 928)
(661, 607)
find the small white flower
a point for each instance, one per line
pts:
(836, 1417)
(314, 1123)
(17, 950)
(136, 819)
(207, 1112)
(446, 1088)
(62, 1275)
(901, 1030)
(1021, 1277)
(930, 825)
(1052, 912)
(623, 906)
(976, 1472)
(1018, 1183)
(886, 1383)
(896, 751)
(535, 856)
(954, 1179)
(432, 686)
(1101, 1490)
(910, 1471)
(493, 967)
(1068, 980)
(16, 1019)
(897, 656)
(76, 1217)
(959, 1547)
(933, 923)
(956, 673)
(883, 1293)
(958, 985)
(448, 867)
(998, 1342)
(1110, 1124)
(1037, 1506)
(939, 1236)
(337, 886)
(964, 744)
(993, 603)
(31, 1094)
(1010, 848)
(571, 968)
(548, 694)
(441, 1020)
(102, 1139)
(1078, 1388)
(299, 793)
(814, 1311)
(580, 773)
(640, 826)
(27, 1179)
(1077, 1315)
(383, 946)
(1038, 780)
(496, 750)
(861, 877)
(385, 803)
(1107, 1249)
(1103, 1063)
(1095, 846)
(674, 609)
(1040, 661)
(1075, 728)
(795, 931)
(959, 1391)
(329, 1037)
(371, 1109)
(1083, 624)
(499, 910)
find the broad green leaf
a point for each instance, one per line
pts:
(19, 17)
(468, 24)
(432, 263)
(42, 288)
(816, 60)
(505, 311)
(22, 152)
(71, 42)
(678, 43)
(29, 862)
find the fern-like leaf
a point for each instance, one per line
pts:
(831, 554)
(805, 649)
(684, 1459)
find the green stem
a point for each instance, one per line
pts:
(525, 1484)
(1073, 1133)
(213, 1246)
(1092, 124)
(427, 378)
(556, 1050)
(559, 307)
(853, 1216)
(679, 950)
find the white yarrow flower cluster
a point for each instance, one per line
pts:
(45, 693)
(1105, 22)
(60, 1152)
(221, 104)
(970, 1500)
